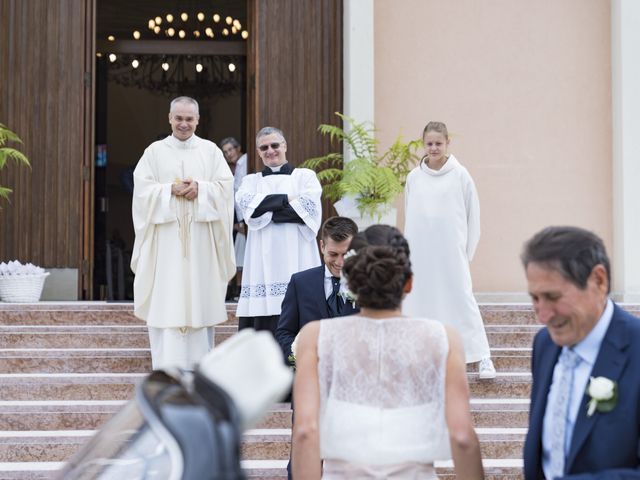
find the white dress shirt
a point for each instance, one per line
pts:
(328, 285)
(587, 350)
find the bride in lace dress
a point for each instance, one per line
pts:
(378, 395)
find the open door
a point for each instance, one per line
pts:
(295, 73)
(46, 67)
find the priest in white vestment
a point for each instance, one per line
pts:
(183, 252)
(282, 210)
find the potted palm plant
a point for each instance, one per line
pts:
(18, 283)
(6, 153)
(366, 186)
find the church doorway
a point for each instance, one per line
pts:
(149, 52)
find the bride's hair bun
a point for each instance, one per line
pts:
(378, 273)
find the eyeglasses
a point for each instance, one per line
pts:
(264, 148)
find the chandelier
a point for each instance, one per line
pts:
(194, 26)
(194, 54)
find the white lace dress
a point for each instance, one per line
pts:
(382, 397)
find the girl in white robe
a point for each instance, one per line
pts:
(443, 229)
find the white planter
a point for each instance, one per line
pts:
(21, 288)
(347, 207)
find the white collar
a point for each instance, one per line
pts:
(191, 142)
(450, 164)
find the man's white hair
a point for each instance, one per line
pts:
(184, 99)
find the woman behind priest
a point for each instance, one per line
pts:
(380, 395)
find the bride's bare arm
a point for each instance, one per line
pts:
(465, 447)
(306, 397)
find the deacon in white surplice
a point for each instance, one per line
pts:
(282, 210)
(183, 252)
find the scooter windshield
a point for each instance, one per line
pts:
(132, 445)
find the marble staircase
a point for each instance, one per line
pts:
(66, 368)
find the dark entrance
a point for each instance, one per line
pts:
(149, 52)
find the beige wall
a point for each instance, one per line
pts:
(525, 89)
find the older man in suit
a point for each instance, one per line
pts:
(316, 293)
(580, 429)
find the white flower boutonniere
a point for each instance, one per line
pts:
(603, 393)
(292, 355)
(348, 296)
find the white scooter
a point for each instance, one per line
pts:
(188, 425)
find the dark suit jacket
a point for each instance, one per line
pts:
(604, 446)
(304, 302)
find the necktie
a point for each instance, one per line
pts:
(559, 411)
(335, 301)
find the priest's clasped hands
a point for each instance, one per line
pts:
(187, 188)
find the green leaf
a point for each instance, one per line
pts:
(19, 157)
(4, 193)
(6, 153)
(374, 179)
(7, 135)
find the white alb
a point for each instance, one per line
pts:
(443, 230)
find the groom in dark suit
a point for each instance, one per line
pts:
(580, 429)
(314, 294)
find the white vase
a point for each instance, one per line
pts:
(347, 207)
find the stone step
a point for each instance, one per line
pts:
(120, 386)
(91, 414)
(76, 313)
(103, 313)
(57, 415)
(133, 336)
(83, 336)
(138, 360)
(75, 360)
(495, 469)
(60, 445)
(276, 443)
(69, 386)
